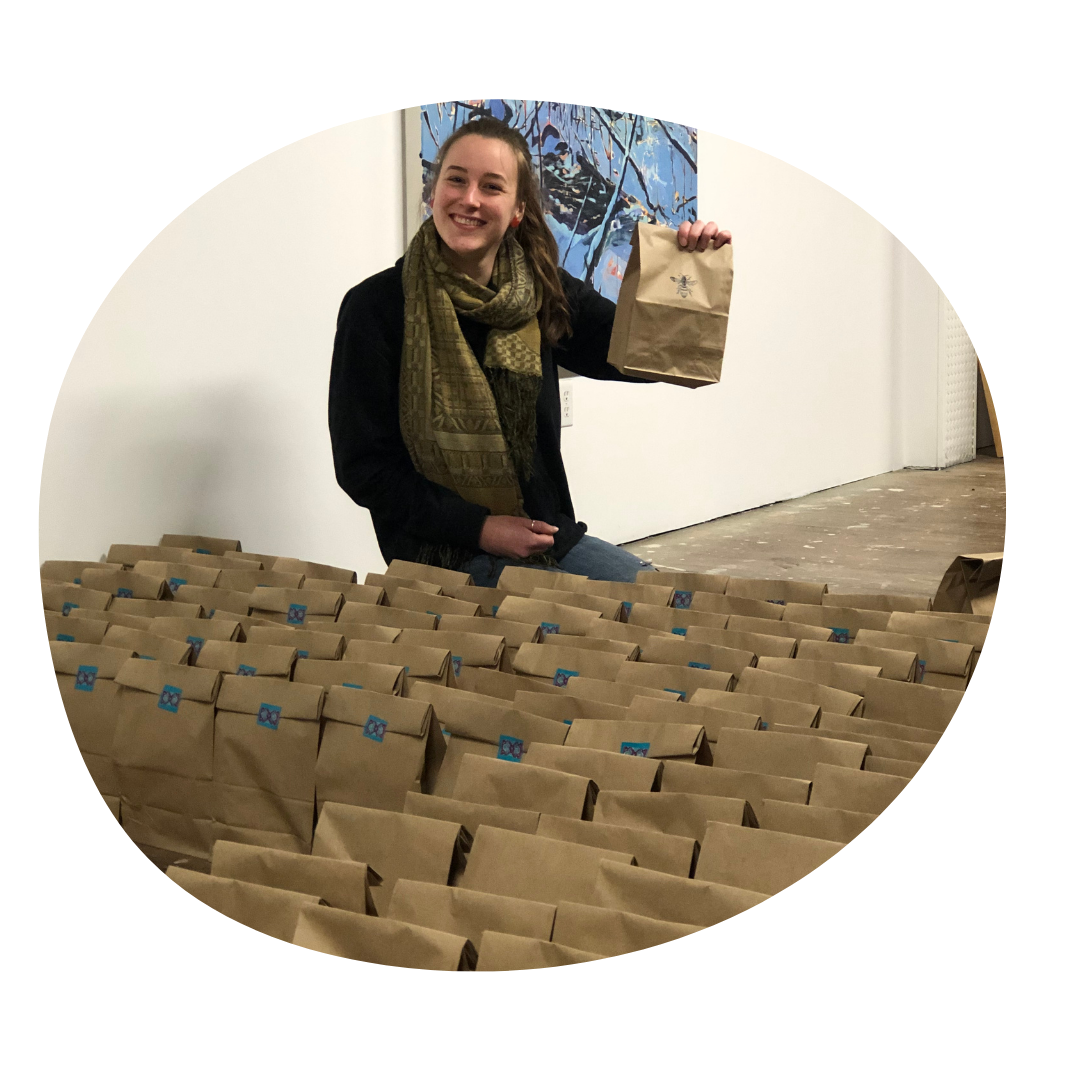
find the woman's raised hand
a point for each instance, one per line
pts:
(695, 235)
(511, 537)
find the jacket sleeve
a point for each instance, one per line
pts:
(371, 461)
(591, 317)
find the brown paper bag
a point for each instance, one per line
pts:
(339, 882)
(885, 729)
(68, 598)
(83, 632)
(853, 789)
(471, 815)
(381, 941)
(970, 584)
(893, 748)
(771, 710)
(361, 594)
(414, 600)
(524, 787)
(466, 650)
(243, 658)
(86, 675)
(294, 607)
(127, 555)
(309, 644)
(375, 749)
(163, 746)
(653, 850)
(892, 766)
(390, 585)
(514, 634)
(843, 622)
(664, 896)
(653, 711)
(566, 707)
(240, 580)
(213, 600)
(672, 315)
(312, 569)
(356, 631)
(825, 823)
(851, 678)
(682, 653)
(684, 584)
(782, 629)
(938, 625)
(195, 632)
(394, 845)
(611, 693)
(681, 680)
(909, 703)
(622, 772)
(179, 574)
(402, 618)
(69, 571)
(421, 663)
(468, 913)
(266, 741)
(557, 664)
(108, 618)
(612, 933)
(629, 594)
(158, 609)
(934, 656)
(898, 664)
(203, 545)
(553, 618)
(677, 813)
(501, 684)
(777, 592)
(877, 601)
(148, 646)
(521, 580)
(758, 644)
(757, 859)
(510, 952)
(744, 606)
(754, 787)
(380, 678)
(610, 610)
(769, 684)
(675, 620)
(640, 738)
(269, 910)
(534, 867)
(422, 572)
(609, 630)
(245, 622)
(125, 583)
(782, 754)
(488, 600)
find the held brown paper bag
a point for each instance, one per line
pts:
(381, 941)
(623, 772)
(524, 787)
(754, 787)
(664, 896)
(269, 910)
(266, 742)
(826, 823)
(471, 815)
(970, 584)
(339, 882)
(509, 952)
(86, 676)
(534, 867)
(854, 789)
(609, 932)
(672, 315)
(163, 747)
(676, 813)
(639, 738)
(375, 749)
(653, 850)
(781, 754)
(393, 845)
(468, 913)
(757, 859)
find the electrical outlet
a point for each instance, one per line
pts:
(566, 391)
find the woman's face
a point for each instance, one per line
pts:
(475, 202)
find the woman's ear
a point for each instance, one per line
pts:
(519, 216)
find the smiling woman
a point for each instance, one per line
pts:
(444, 400)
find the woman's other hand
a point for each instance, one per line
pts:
(515, 537)
(695, 235)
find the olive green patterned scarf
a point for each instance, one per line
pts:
(470, 428)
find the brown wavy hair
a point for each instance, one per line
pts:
(532, 233)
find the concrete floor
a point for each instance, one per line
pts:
(896, 532)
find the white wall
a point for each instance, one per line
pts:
(196, 401)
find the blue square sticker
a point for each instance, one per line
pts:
(635, 749)
(202, 551)
(374, 728)
(494, 610)
(920, 674)
(268, 716)
(176, 582)
(562, 676)
(68, 607)
(65, 637)
(681, 598)
(245, 669)
(126, 594)
(764, 725)
(841, 634)
(196, 644)
(85, 677)
(681, 693)
(782, 603)
(680, 630)
(626, 606)
(295, 616)
(510, 749)
(699, 664)
(353, 685)
(550, 627)
(170, 698)
(456, 661)
(302, 653)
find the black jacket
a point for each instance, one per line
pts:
(370, 459)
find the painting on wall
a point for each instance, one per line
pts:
(600, 171)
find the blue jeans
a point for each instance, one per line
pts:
(590, 557)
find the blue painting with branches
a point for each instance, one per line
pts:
(600, 172)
